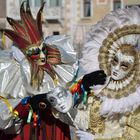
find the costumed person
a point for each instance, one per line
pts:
(112, 111)
(29, 69)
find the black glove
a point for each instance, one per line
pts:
(94, 78)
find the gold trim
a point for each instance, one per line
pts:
(105, 62)
(38, 43)
(97, 122)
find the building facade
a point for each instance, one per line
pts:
(70, 17)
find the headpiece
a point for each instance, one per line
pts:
(117, 35)
(28, 37)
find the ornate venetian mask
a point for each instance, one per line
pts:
(38, 54)
(119, 58)
(122, 64)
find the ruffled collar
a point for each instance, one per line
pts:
(124, 105)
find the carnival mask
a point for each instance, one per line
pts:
(121, 65)
(60, 99)
(38, 53)
(27, 34)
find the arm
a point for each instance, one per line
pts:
(64, 107)
(9, 122)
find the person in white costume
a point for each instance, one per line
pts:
(15, 79)
(34, 66)
(113, 110)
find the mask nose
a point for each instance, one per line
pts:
(42, 55)
(117, 67)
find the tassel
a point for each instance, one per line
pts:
(35, 119)
(76, 96)
(30, 114)
(84, 96)
(85, 99)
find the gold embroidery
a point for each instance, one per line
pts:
(96, 123)
(132, 130)
(134, 120)
(131, 134)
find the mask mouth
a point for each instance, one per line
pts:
(43, 60)
(115, 73)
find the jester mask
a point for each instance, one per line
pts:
(28, 36)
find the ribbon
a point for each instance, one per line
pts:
(75, 98)
(14, 112)
(84, 95)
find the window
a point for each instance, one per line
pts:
(54, 3)
(132, 5)
(37, 3)
(56, 33)
(86, 8)
(116, 4)
(101, 2)
(20, 2)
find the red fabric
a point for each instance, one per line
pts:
(22, 110)
(61, 131)
(55, 130)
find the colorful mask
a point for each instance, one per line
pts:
(28, 37)
(37, 54)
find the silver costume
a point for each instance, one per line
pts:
(15, 76)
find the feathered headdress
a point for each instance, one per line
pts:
(28, 33)
(119, 30)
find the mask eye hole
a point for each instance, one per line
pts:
(37, 51)
(53, 101)
(115, 61)
(33, 51)
(125, 66)
(60, 95)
